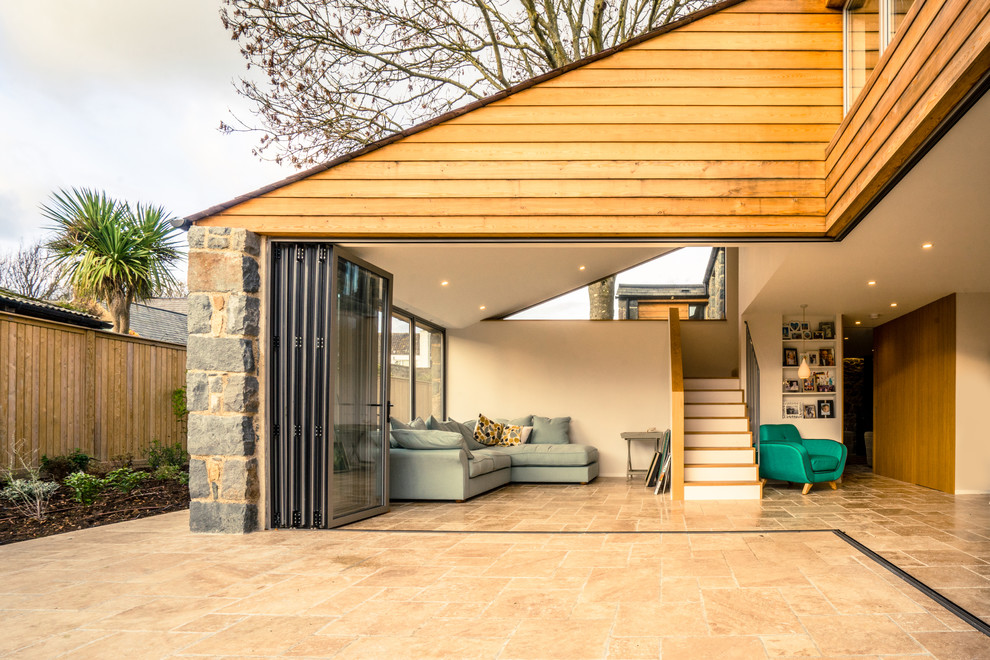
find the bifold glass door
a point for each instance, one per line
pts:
(328, 390)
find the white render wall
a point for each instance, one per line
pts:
(608, 376)
(972, 392)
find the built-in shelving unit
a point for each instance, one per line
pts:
(815, 340)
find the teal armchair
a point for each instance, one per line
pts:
(785, 455)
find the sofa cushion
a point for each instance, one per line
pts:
(417, 423)
(550, 455)
(821, 463)
(514, 435)
(426, 439)
(526, 420)
(546, 431)
(488, 432)
(500, 459)
(453, 425)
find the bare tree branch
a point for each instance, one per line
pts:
(328, 76)
(29, 271)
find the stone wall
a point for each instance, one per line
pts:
(222, 379)
(716, 288)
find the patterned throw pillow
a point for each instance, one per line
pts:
(488, 432)
(514, 435)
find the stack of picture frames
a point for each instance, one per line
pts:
(822, 409)
(801, 330)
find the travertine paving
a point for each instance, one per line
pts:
(500, 584)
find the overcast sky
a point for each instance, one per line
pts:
(121, 95)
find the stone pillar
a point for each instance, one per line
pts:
(222, 379)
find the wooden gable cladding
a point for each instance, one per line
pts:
(939, 55)
(717, 128)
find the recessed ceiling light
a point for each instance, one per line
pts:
(872, 282)
(859, 322)
(580, 267)
(444, 283)
(893, 304)
(482, 307)
(845, 339)
(926, 246)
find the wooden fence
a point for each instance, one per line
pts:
(63, 387)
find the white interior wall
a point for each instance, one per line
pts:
(972, 392)
(609, 377)
(711, 348)
(765, 330)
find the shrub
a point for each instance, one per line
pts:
(171, 473)
(85, 486)
(29, 496)
(60, 467)
(179, 404)
(124, 479)
(122, 460)
(160, 454)
(57, 467)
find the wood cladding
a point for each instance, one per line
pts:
(939, 54)
(63, 387)
(914, 396)
(716, 128)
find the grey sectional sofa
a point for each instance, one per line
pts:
(463, 472)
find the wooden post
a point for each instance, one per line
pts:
(676, 408)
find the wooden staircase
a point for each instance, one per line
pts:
(719, 458)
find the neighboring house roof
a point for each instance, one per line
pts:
(153, 322)
(39, 309)
(662, 291)
(184, 223)
(177, 305)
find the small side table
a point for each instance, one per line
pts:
(629, 437)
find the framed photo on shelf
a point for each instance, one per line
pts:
(790, 357)
(826, 409)
(818, 334)
(812, 358)
(795, 327)
(810, 411)
(792, 385)
(805, 326)
(786, 332)
(809, 384)
(826, 357)
(792, 410)
(823, 381)
(828, 329)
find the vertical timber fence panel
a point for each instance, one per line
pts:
(63, 387)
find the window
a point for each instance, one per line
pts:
(417, 368)
(869, 28)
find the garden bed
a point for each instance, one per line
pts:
(150, 498)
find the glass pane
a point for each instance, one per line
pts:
(358, 450)
(429, 372)
(862, 44)
(898, 8)
(399, 368)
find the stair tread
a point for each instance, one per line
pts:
(719, 465)
(721, 483)
(717, 448)
(707, 417)
(714, 432)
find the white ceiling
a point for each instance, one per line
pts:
(503, 277)
(944, 199)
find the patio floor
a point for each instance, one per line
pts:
(495, 578)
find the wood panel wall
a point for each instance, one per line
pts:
(914, 397)
(63, 387)
(716, 128)
(940, 52)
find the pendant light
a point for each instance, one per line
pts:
(804, 371)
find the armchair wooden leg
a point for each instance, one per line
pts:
(806, 489)
(834, 485)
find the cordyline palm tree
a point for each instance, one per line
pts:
(110, 251)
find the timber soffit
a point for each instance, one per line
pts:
(185, 223)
